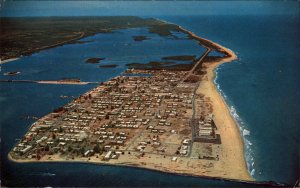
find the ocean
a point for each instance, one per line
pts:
(261, 89)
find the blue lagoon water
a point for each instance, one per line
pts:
(261, 88)
(118, 47)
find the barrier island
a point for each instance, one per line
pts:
(166, 117)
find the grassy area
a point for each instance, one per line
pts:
(139, 38)
(23, 36)
(160, 65)
(94, 60)
(164, 29)
(209, 59)
(108, 66)
(181, 58)
(151, 64)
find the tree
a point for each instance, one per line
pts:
(97, 148)
(53, 136)
(47, 147)
(70, 148)
(82, 150)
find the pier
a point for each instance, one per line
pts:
(51, 82)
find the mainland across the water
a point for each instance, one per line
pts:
(160, 116)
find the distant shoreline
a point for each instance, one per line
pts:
(8, 60)
(124, 165)
(82, 35)
(65, 30)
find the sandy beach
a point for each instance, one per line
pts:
(7, 60)
(183, 166)
(232, 155)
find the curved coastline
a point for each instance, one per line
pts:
(243, 177)
(124, 165)
(217, 96)
(248, 152)
(8, 60)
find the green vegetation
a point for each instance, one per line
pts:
(157, 65)
(140, 38)
(80, 42)
(180, 67)
(181, 58)
(94, 60)
(164, 29)
(108, 66)
(167, 65)
(24, 36)
(209, 59)
(151, 64)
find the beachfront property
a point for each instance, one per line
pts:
(131, 113)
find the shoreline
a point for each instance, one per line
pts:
(9, 60)
(135, 166)
(210, 89)
(241, 172)
(28, 53)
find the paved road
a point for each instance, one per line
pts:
(192, 121)
(198, 62)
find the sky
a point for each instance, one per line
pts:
(151, 8)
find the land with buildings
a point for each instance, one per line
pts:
(168, 119)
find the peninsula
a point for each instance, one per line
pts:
(168, 119)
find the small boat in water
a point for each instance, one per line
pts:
(64, 96)
(11, 73)
(30, 117)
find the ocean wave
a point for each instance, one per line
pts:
(44, 174)
(48, 174)
(219, 89)
(244, 132)
(248, 144)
